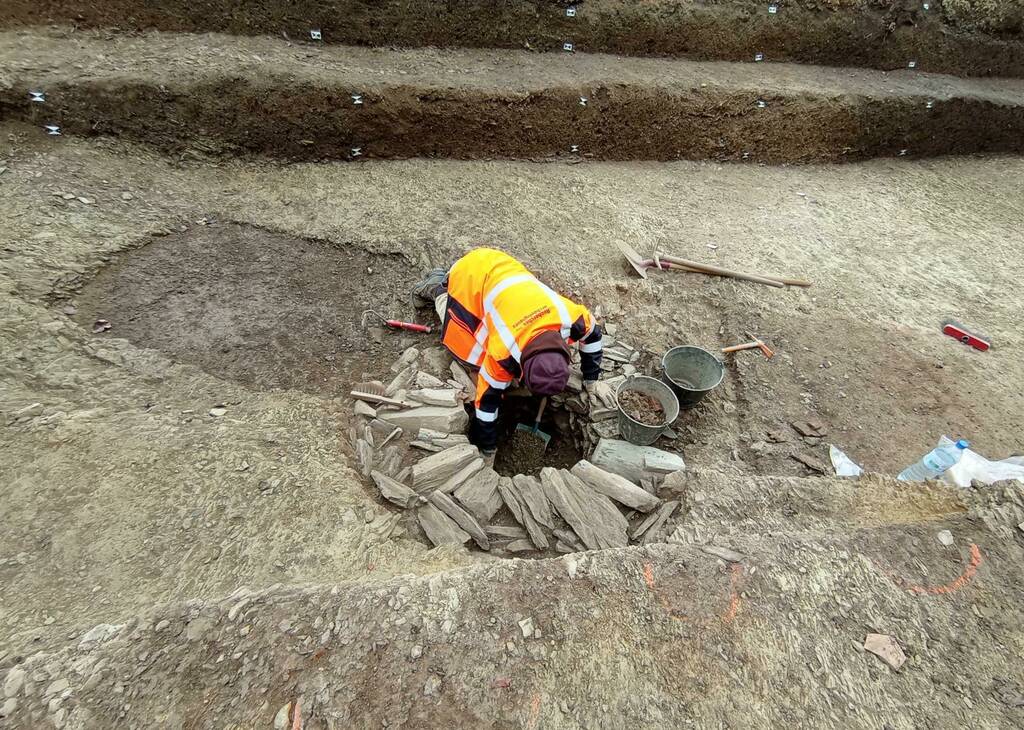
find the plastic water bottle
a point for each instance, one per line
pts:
(934, 463)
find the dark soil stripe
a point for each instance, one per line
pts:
(228, 95)
(620, 122)
(940, 40)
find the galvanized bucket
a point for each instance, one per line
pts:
(692, 372)
(639, 433)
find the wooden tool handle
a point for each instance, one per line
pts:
(540, 411)
(719, 271)
(744, 346)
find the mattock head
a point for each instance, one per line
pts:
(765, 350)
(372, 313)
(635, 260)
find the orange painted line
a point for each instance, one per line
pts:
(649, 575)
(531, 723)
(735, 571)
(964, 578)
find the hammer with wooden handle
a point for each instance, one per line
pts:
(755, 344)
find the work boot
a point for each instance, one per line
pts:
(431, 286)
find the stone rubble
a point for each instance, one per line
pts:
(653, 521)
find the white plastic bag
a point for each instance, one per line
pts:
(973, 465)
(843, 464)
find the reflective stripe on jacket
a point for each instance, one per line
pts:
(495, 307)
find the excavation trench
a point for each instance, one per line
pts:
(267, 310)
(300, 121)
(864, 36)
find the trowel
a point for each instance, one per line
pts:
(535, 428)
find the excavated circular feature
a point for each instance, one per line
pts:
(267, 310)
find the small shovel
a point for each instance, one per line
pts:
(535, 428)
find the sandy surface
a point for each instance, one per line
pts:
(55, 56)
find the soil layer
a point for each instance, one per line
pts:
(263, 309)
(522, 452)
(193, 95)
(883, 35)
(642, 408)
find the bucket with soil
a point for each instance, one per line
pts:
(646, 408)
(692, 372)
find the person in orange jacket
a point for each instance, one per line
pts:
(501, 321)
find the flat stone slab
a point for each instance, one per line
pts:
(593, 517)
(436, 418)
(434, 470)
(435, 396)
(365, 455)
(440, 529)
(408, 357)
(648, 531)
(510, 497)
(462, 476)
(462, 518)
(394, 491)
(440, 438)
(634, 462)
(569, 539)
(401, 381)
(362, 408)
(480, 494)
(497, 533)
(615, 487)
(426, 380)
(531, 494)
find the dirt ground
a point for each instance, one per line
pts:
(269, 311)
(193, 96)
(957, 36)
(125, 498)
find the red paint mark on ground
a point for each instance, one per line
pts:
(531, 722)
(964, 578)
(735, 571)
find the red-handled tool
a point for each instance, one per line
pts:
(397, 324)
(957, 331)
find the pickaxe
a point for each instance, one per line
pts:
(756, 343)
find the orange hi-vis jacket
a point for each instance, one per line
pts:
(495, 307)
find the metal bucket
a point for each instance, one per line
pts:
(642, 434)
(692, 373)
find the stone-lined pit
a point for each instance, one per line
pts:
(943, 39)
(246, 304)
(520, 453)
